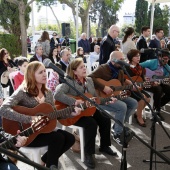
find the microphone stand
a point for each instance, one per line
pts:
(155, 119)
(123, 160)
(27, 161)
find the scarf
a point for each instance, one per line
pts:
(114, 70)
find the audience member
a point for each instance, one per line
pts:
(65, 57)
(94, 56)
(38, 54)
(80, 54)
(19, 77)
(84, 43)
(127, 43)
(143, 44)
(54, 40)
(54, 55)
(45, 42)
(93, 43)
(108, 45)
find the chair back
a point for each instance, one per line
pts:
(49, 72)
(11, 77)
(95, 65)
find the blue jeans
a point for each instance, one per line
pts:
(122, 109)
(7, 166)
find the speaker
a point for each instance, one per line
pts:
(65, 29)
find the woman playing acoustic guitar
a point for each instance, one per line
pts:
(139, 72)
(30, 94)
(77, 71)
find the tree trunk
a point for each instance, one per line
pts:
(22, 8)
(84, 24)
(58, 23)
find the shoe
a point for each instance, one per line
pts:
(135, 116)
(116, 137)
(108, 150)
(89, 161)
(140, 124)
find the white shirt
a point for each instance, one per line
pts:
(93, 57)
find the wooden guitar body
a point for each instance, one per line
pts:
(89, 111)
(43, 109)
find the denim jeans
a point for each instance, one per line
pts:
(7, 166)
(122, 110)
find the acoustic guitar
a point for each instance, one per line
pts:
(156, 75)
(43, 109)
(88, 109)
(36, 126)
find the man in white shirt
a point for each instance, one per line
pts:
(94, 56)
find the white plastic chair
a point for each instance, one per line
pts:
(34, 153)
(95, 65)
(11, 77)
(49, 71)
(81, 134)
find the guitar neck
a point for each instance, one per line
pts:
(13, 140)
(120, 88)
(59, 114)
(107, 99)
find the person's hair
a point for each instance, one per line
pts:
(29, 82)
(128, 31)
(132, 53)
(144, 28)
(78, 50)
(37, 46)
(134, 37)
(21, 61)
(45, 36)
(54, 33)
(73, 66)
(62, 52)
(163, 53)
(2, 54)
(158, 30)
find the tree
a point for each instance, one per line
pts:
(9, 19)
(106, 12)
(161, 18)
(22, 6)
(84, 7)
(49, 3)
(141, 14)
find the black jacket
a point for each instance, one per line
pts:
(34, 58)
(107, 46)
(141, 44)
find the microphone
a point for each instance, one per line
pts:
(122, 63)
(163, 51)
(47, 62)
(143, 50)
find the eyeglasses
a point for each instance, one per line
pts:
(117, 31)
(54, 35)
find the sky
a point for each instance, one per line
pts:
(64, 15)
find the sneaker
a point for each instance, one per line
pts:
(116, 137)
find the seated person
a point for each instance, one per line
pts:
(65, 58)
(19, 77)
(123, 108)
(94, 56)
(54, 55)
(134, 59)
(80, 54)
(77, 71)
(5, 162)
(161, 91)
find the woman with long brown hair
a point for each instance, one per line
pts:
(30, 94)
(45, 42)
(6, 64)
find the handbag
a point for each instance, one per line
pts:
(76, 145)
(5, 75)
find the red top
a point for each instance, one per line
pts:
(18, 79)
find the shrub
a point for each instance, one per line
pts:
(12, 43)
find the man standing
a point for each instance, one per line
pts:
(141, 43)
(38, 54)
(65, 57)
(108, 44)
(84, 43)
(155, 43)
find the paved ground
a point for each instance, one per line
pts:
(136, 153)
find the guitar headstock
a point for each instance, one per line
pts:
(147, 84)
(39, 123)
(124, 94)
